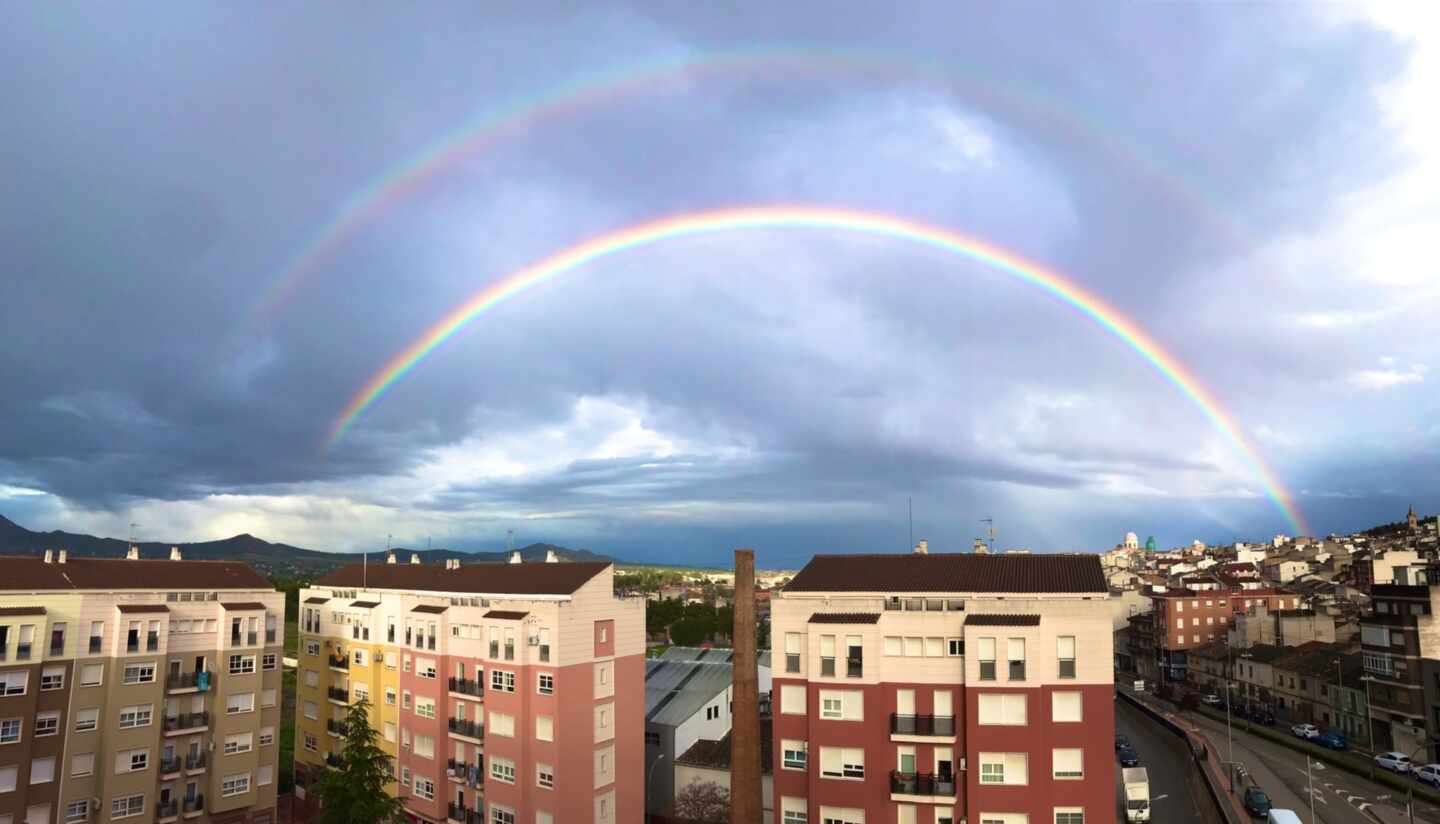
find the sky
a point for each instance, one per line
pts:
(220, 221)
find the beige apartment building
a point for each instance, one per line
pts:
(138, 691)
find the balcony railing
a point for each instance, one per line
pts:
(336, 727)
(338, 694)
(167, 809)
(332, 760)
(472, 774)
(903, 783)
(187, 720)
(467, 728)
(339, 663)
(455, 812)
(854, 667)
(196, 761)
(185, 681)
(922, 724)
(193, 805)
(170, 765)
(467, 686)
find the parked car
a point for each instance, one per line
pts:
(1428, 774)
(1260, 715)
(1257, 803)
(1309, 731)
(1394, 761)
(1129, 758)
(1211, 699)
(1121, 743)
(1331, 739)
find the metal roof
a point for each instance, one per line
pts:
(721, 654)
(676, 690)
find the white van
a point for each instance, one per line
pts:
(1283, 817)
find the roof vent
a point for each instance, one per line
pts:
(63, 553)
(551, 557)
(515, 557)
(49, 557)
(389, 557)
(175, 553)
(133, 554)
(414, 557)
(923, 547)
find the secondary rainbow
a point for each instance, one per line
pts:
(815, 217)
(1011, 103)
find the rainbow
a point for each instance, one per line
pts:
(814, 217)
(1012, 104)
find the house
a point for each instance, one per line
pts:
(685, 701)
(709, 761)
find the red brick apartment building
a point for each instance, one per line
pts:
(1191, 618)
(940, 689)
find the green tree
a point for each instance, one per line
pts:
(354, 791)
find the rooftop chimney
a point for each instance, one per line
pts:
(49, 557)
(922, 548)
(414, 557)
(745, 694)
(389, 557)
(551, 557)
(515, 557)
(63, 553)
(175, 553)
(133, 554)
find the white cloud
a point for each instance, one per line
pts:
(1380, 379)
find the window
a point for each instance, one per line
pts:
(846, 705)
(501, 815)
(1069, 815)
(1003, 768)
(10, 730)
(87, 719)
(545, 776)
(425, 668)
(14, 682)
(544, 728)
(1017, 659)
(47, 723)
(264, 775)
(1002, 708)
(8, 776)
(91, 675)
(238, 743)
(424, 788)
(139, 673)
(269, 661)
(502, 724)
(137, 716)
(1065, 652)
(127, 805)
(312, 678)
(987, 659)
(267, 736)
(793, 754)
(794, 810)
(310, 744)
(77, 811)
(827, 656)
(711, 713)
(312, 647)
(1068, 763)
(502, 769)
(240, 702)
(914, 647)
(131, 761)
(425, 707)
(390, 696)
(424, 746)
(267, 697)
(954, 647)
(82, 765)
(242, 664)
(893, 646)
(42, 770)
(311, 710)
(237, 784)
(792, 699)
(1065, 707)
(545, 684)
(390, 731)
(934, 647)
(792, 652)
(52, 678)
(842, 762)
(841, 815)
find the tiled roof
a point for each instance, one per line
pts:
(144, 608)
(715, 755)
(365, 604)
(317, 600)
(914, 572)
(495, 579)
(243, 606)
(32, 573)
(505, 615)
(433, 609)
(22, 610)
(1001, 620)
(845, 618)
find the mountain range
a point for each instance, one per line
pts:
(281, 560)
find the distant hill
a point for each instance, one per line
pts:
(279, 559)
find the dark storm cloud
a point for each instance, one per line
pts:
(162, 168)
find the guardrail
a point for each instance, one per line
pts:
(1224, 804)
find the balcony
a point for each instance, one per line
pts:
(455, 812)
(467, 729)
(338, 694)
(339, 729)
(473, 775)
(152, 641)
(170, 766)
(467, 686)
(196, 762)
(193, 806)
(186, 721)
(903, 783)
(332, 760)
(937, 725)
(187, 682)
(339, 663)
(167, 809)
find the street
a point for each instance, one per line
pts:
(1173, 795)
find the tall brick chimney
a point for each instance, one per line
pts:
(745, 693)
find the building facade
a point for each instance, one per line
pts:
(1186, 619)
(505, 692)
(1395, 639)
(935, 689)
(138, 691)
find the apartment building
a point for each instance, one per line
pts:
(1399, 642)
(938, 689)
(136, 690)
(1188, 618)
(505, 692)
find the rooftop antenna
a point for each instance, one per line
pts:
(131, 542)
(990, 531)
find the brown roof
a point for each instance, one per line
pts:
(144, 608)
(914, 572)
(316, 600)
(1000, 620)
(845, 618)
(505, 615)
(433, 609)
(498, 579)
(32, 573)
(715, 755)
(365, 604)
(243, 605)
(22, 610)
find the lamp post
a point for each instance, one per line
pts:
(1410, 785)
(648, 776)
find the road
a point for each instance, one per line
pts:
(1174, 797)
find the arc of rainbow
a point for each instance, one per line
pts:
(771, 217)
(477, 135)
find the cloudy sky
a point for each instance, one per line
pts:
(219, 221)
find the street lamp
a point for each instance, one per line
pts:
(649, 775)
(1410, 785)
